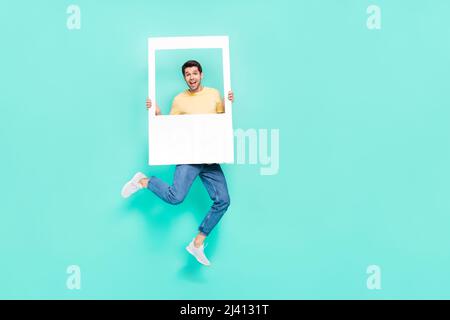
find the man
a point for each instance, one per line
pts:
(196, 99)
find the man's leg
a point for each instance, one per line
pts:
(214, 180)
(183, 178)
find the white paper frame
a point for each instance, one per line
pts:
(194, 138)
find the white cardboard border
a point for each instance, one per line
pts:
(158, 122)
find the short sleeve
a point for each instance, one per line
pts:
(175, 110)
(220, 108)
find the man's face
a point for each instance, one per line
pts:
(193, 77)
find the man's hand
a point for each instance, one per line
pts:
(148, 103)
(231, 96)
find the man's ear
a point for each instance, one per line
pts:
(201, 75)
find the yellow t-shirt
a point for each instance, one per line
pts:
(205, 101)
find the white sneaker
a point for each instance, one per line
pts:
(198, 253)
(133, 185)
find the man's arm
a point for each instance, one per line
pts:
(175, 110)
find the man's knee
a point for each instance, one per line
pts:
(175, 197)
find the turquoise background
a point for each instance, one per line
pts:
(364, 152)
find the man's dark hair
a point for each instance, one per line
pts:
(191, 63)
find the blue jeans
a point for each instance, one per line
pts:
(185, 174)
